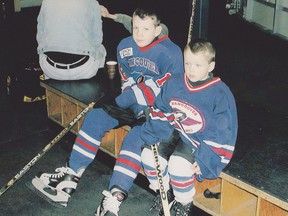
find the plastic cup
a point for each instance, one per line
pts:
(111, 68)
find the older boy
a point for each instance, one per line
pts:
(149, 61)
(202, 108)
(145, 63)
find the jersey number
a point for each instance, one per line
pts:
(163, 79)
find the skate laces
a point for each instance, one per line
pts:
(157, 202)
(110, 203)
(157, 205)
(60, 172)
(182, 210)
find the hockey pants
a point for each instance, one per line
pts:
(176, 171)
(128, 163)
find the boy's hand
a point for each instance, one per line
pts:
(105, 13)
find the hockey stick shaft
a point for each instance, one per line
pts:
(162, 191)
(46, 149)
(191, 23)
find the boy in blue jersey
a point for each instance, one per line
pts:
(202, 109)
(145, 63)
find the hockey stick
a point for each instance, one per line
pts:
(46, 149)
(191, 23)
(163, 193)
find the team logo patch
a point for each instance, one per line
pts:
(126, 52)
(140, 79)
(189, 116)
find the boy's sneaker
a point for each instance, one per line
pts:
(183, 210)
(111, 202)
(58, 187)
(157, 202)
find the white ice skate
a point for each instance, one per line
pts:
(111, 202)
(57, 188)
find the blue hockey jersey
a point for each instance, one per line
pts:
(144, 70)
(206, 117)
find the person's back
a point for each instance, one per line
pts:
(67, 31)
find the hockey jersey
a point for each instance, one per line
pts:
(144, 70)
(205, 116)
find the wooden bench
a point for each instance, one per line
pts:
(65, 99)
(238, 197)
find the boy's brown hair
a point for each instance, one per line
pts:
(202, 45)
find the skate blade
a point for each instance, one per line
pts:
(47, 196)
(97, 213)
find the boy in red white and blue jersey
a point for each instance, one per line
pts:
(145, 62)
(202, 109)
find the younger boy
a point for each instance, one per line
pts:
(145, 63)
(202, 108)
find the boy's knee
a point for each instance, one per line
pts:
(98, 115)
(147, 157)
(98, 121)
(175, 162)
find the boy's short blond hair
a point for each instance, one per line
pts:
(202, 45)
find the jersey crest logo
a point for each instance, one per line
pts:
(188, 116)
(140, 79)
(126, 52)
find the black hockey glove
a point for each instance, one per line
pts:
(124, 116)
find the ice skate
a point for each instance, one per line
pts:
(183, 210)
(58, 187)
(110, 203)
(157, 203)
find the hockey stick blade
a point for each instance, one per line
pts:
(46, 148)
